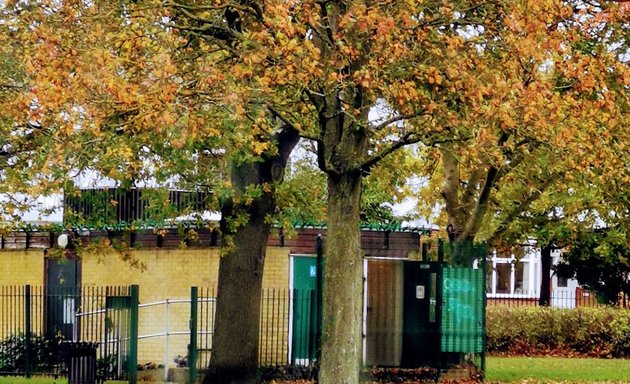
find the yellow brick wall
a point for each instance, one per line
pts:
(164, 274)
(168, 274)
(22, 267)
(276, 273)
(275, 309)
(19, 268)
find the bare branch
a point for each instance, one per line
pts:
(398, 118)
(405, 140)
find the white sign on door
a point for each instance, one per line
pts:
(419, 291)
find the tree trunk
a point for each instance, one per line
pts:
(462, 253)
(343, 282)
(236, 334)
(545, 277)
(235, 340)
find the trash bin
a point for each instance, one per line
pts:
(81, 360)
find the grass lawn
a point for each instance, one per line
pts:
(545, 369)
(499, 370)
(42, 380)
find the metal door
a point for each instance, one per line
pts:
(384, 312)
(62, 295)
(304, 309)
(421, 343)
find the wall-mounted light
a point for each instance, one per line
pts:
(62, 241)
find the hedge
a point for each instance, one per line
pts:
(595, 332)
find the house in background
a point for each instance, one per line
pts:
(516, 280)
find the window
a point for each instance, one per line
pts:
(507, 275)
(563, 282)
(503, 271)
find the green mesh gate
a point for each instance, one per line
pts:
(462, 327)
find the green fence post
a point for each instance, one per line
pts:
(484, 270)
(319, 297)
(192, 347)
(132, 362)
(27, 331)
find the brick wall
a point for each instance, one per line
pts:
(18, 268)
(168, 274)
(21, 267)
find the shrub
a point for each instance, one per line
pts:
(597, 332)
(44, 353)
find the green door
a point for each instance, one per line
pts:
(421, 343)
(303, 342)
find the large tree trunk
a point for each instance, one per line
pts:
(545, 280)
(236, 333)
(235, 341)
(343, 288)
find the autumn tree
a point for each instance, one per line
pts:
(439, 72)
(581, 206)
(552, 78)
(109, 91)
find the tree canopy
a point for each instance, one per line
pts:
(153, 89)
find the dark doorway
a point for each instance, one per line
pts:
(63, 279)
(420, 343)
(384, 313)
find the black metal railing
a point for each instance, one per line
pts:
(36, 320)
(573, 299)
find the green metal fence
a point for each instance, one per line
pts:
(462, 326)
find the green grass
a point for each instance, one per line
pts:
(545, 369)
(42, 380)
(530, 370)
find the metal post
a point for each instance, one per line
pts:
(27, 331)
(192, 347)
(320, 283)
(484, 269)
(132, 364)
(167, 352)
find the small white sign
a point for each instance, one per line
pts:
(68, 310)
(419, 291)
(312, 271)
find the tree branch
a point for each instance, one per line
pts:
(405, 140)
(476, 216)
(289, 123)
(523, 205)
(398, 118)
(252, 8)
(219, 33)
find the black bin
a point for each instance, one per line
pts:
(81, 360)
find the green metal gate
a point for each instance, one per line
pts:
(462, 325)
(120, 355)
(442, 314)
